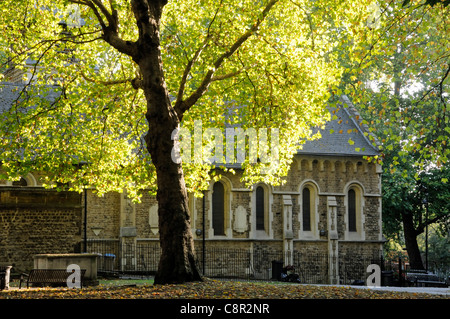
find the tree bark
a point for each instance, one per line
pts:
(415, 259)
(177, 261)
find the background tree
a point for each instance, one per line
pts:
(400, 82)
(411, 205)
(109, 90)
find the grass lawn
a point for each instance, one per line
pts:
(124, 282)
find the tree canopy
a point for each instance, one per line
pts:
(268, 63)
(401, 82)
(108, 84)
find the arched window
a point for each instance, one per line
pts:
(25, 181)
(261, 217)
(306, 209)
(218, 209)
(21, 182)
(352, 210)
(308, 214)
(260, 208)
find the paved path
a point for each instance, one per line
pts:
(426, 290)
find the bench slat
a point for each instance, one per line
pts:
(43, 276)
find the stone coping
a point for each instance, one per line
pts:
(66, 255)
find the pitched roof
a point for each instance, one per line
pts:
(9, 92)
(346, 124)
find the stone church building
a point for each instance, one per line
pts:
(330, 205)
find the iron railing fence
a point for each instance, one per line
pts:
(142, 258)
(353, 268)
(312, 267)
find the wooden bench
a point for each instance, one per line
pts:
(49, 276)
(421, 278)
(430, 283)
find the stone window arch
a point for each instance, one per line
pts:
(24, 181)
(261, 217)
(354, 207)
(308, 214)
(220, 207)
(260, 208)
(307, 208)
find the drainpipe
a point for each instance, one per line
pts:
(203, 233)
(85, 220)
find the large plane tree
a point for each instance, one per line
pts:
(108, 83)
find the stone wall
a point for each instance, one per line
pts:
(331, 175)
(103, 215)
(35, 221)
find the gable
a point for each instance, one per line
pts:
(346, 124)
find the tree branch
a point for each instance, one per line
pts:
(191, 62)
(421, 227)
(187, 70)
(203, 87)
(446, 73)
(93, 8)
(110, 31)
(135, 82)
(112, 22)
(231, 74)
(38, 45)
(441, 84)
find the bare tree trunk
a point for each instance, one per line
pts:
(177, 262)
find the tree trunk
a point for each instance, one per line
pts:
(177, 261)
(415, 259)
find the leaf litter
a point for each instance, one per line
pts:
(213, 289)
